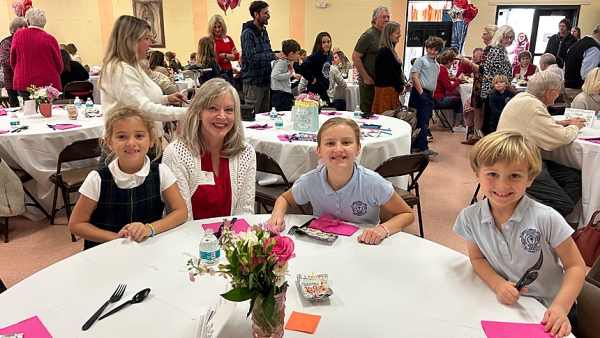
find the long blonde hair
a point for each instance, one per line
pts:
(123, 44)
(190, 134)
(206, 51)
(211, 25)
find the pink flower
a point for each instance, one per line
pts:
(192, 278)
(211, 271)
(283, 248)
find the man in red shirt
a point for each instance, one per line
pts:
(466, 69)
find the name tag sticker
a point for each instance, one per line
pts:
(226, 40)
(207, 178)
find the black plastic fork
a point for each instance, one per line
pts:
(116, 296)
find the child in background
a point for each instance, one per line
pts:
(303, 55)
(499, 99)
(207, 56)
(281, 86)
(343, 189)
(506, 232)
(127, 197)
(192, 60)
(425, 72)
(316, 67)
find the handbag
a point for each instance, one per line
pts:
(587, 240)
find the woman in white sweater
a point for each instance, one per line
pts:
(589, 98)
(215, 168)
(123, 83)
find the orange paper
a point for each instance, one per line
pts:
(303, 322)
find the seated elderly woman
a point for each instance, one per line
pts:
(215, 168)
(525, 69)
(160, 79)
(589, 98)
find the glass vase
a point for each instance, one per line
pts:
(273, 328)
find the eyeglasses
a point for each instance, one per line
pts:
(510, 37)
(531, 274)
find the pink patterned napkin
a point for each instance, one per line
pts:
(330, 112)
(374, 117)
(66, 126)
(268, 114)
(329, 224)
(3, 131)
(241, 225)
(259, 127)
(2, 112)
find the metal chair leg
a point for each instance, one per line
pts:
(54, 203)
(474, 198)
(35, 203)
(420, 217)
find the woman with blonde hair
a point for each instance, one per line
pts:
(225, 47)
(122, 82)
(342, 63)
(589, 98)
(388, 76)
(215, 168)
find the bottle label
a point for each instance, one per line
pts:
(15, 124)
(356, 114)
(210, 255)
(279, 124)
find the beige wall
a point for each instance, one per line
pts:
(87, 23)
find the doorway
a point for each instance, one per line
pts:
(536, 23)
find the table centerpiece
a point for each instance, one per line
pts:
(43, 98)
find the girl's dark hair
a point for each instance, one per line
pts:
(157, 58)
(318, 47)
(66, 59)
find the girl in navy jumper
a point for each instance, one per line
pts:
(127, 197)
(499, 99)
(316, 67)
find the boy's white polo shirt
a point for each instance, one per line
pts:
(357, 202)
(532, 227)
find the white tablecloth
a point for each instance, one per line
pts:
(351, 94)
(299, 157)
(585, 156)
(404, 287)
(36, 149)
(94, 80)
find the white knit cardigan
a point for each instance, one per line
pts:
(242, 172)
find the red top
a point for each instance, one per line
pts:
(463, 68)
(213, 200)
(444, 84)
(530, 70)
(35, 58)
(226, 46)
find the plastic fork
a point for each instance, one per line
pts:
(116, 296)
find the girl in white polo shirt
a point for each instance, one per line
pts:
(343, 189)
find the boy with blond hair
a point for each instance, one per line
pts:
(499, 99)
(508, 232)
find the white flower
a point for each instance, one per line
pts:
(249, 237)
(279, 281)
(280, 272)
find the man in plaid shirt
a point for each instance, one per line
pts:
(256, 57)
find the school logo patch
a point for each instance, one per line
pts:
(325, 69)
(530, 238)
(359, 208)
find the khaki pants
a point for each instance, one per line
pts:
(258, 96)
(569, 94)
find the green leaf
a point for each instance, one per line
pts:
(238, 294)
(251, 281)
(268, 305)
(252, 301)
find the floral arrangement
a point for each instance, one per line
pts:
(257, 265)
(310, 97)
(43, 95)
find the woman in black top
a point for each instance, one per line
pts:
(389, 79)
(72, 71)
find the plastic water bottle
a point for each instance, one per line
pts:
(278, 123)
(14, 121)
(89, 104)
(273, 114)
(357, 112)
(210, 250)
(77, 103)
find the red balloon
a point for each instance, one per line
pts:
(26, 5)
(234, 3)
(224, 4)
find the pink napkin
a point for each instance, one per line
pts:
(268, 114)
(254, 126)
(591, 139)
(241, 225)
(3, 131)
(329, 112)
(282, 138)
(374, 117)
(56, 106)
(513, 330)
(329, 224)
(67, 126)
(2, 112)
(30, 327)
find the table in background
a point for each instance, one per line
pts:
(299, 157)
(406, 286)
(36, 149)
(351, 94)
(97, 97)
(585, 156)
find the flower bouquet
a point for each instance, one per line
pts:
(257, 265)
(43, 97)
(305, 113)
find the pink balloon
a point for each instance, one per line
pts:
(224, 4)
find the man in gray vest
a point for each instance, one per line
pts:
(581, 58)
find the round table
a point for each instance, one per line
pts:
(351, 94)
(299, 157)
(406, 286)
(36, 149)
